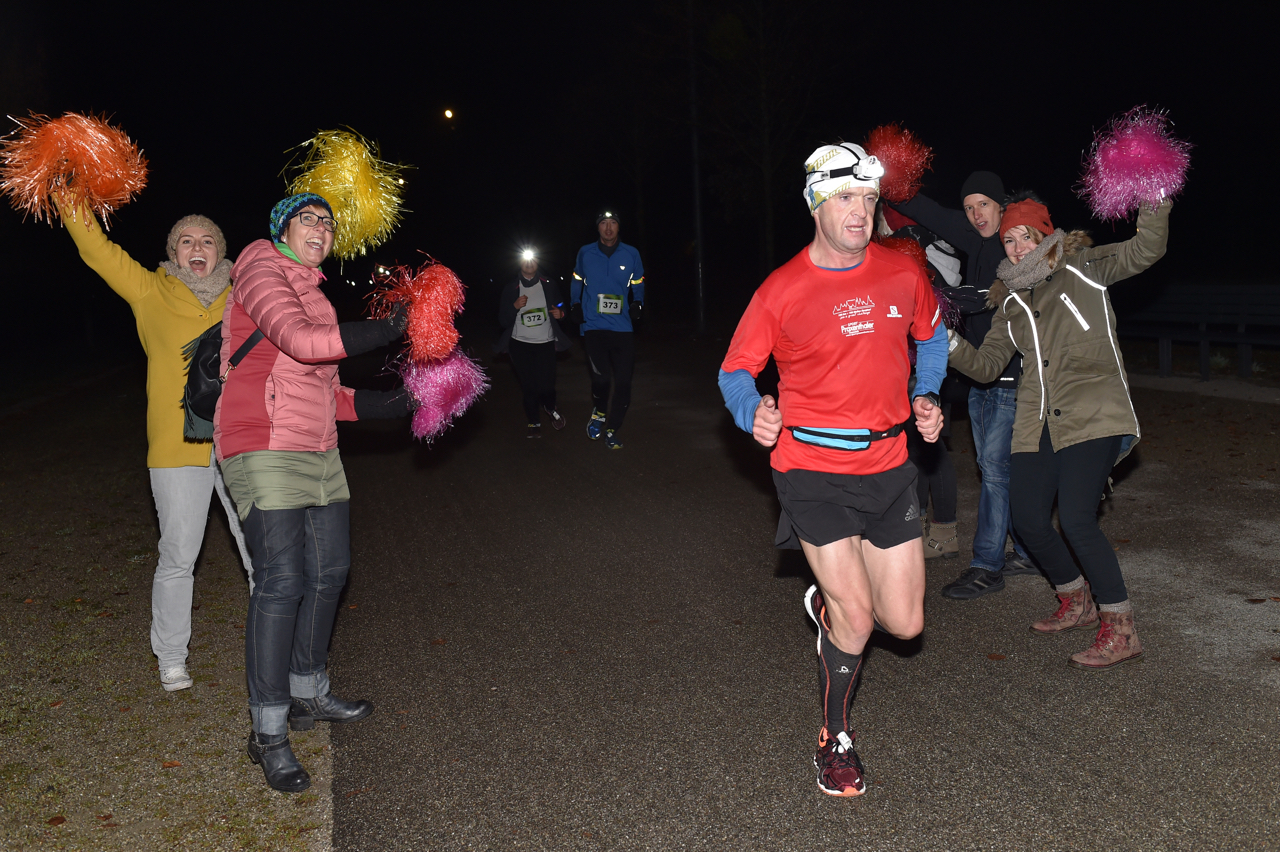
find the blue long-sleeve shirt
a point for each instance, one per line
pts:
(604, 284)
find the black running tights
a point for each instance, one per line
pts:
(535, 366)
(611, 355)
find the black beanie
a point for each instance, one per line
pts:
(983, 183)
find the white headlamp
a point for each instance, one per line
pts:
(834, 168)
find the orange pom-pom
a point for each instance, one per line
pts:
(433, 294)
(93, 161)
(904, 158)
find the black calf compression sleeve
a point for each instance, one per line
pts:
(837, 677)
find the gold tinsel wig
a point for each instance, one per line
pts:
(363, 190)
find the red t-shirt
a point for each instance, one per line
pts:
(840, 341)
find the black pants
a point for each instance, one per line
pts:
(611, 356)
(535, 366)
(1076, 475)
(937, 473)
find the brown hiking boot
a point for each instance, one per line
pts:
(1117, 642)
(1077, 610)
(942, 541)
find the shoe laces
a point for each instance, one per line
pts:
(1066, 605)
(840, 745)
(1106, 633)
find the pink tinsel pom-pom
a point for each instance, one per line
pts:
(904, 158)
(443, 390)
(434, 295)
(1134, 159)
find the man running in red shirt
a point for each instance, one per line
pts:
(836, 319)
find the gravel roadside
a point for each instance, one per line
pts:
(95, 755)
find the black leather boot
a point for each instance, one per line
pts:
(305, 712)
(282, 769)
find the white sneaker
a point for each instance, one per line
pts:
(174, 678)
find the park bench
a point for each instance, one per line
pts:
(1246, 315)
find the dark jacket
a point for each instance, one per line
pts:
(984, 255)
(1074, 378)
(507, 313)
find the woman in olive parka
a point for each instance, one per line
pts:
(1075, 418)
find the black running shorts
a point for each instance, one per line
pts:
(824, 507)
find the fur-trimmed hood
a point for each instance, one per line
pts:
(1073, 242)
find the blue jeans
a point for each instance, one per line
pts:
(991, 414)
(300, 563)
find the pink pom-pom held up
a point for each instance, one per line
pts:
(443, 390)
(93, 161)
(1134, 160)
(434, 295)
(904, 158)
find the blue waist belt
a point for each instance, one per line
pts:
(843, 439)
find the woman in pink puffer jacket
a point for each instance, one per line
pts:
(276, 433)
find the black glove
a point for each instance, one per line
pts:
(399, 316)
(575, 313)
(366, 335)
(635, 309)
(383, 405)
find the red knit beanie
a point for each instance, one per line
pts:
(1030, 213)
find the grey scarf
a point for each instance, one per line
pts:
(1033, 268)
(206, 289)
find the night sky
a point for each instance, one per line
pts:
(563, 109)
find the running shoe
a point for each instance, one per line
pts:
(974, 583)
(817, 611)
(595, 426)
(1015, 565)
(612, 441)
(839, 769)
(557, 422)
(535, 431)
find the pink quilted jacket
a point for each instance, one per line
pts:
(285, 395)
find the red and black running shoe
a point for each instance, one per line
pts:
(839, 769)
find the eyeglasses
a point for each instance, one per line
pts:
(309, 220)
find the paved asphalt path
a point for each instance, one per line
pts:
(573, 648)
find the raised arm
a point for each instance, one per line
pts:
(1115, 262)
(122, 273)
(951, 225)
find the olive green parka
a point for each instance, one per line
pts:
(1073, 376)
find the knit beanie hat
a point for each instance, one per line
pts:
(983, 183)
(1029, 213)
(832, 169)
(287, 208)
(196, 221)
(606, 214)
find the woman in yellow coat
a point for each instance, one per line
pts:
(173, 305)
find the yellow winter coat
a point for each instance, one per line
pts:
(169, 317)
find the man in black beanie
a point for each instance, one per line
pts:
(975, 230)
